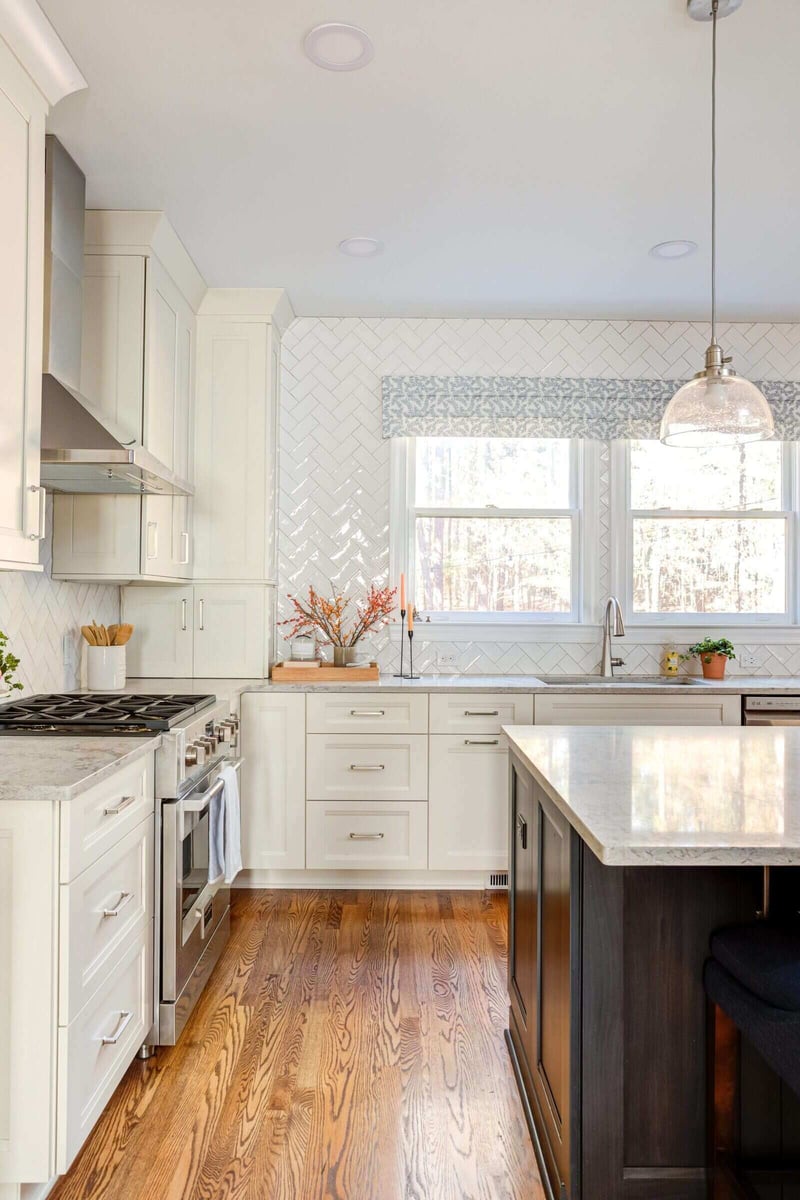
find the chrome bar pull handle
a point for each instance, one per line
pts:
(125, 898)
(366, 837)
(482, 742)
(183, 615)
(120, 806)
(124, 1021)
(493, 713)
(367, 766)
(202, 603)
(367, 712)
(185, 544)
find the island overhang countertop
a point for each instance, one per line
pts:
(669, 795)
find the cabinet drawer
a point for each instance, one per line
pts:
(89, 1067)
(468, 803)
(100, 914)
(99, 818)
(479, 712)
(691, 709)
(367, 712)
(359, 767)
(362, 836)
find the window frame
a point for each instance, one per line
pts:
(403, 513)
(622, 518)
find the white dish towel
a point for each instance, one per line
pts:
(225, 830)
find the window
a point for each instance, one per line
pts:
(492, 527)
(705, 531)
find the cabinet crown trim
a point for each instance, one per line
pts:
(34, 41)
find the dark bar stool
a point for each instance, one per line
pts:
(752, 981)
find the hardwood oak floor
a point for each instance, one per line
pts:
(349, 1046)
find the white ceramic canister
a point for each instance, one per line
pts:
(105, 668)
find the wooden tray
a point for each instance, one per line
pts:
(326, 673)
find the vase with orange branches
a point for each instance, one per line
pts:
(340, 623)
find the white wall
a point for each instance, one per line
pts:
(334, 470)
(36, 612)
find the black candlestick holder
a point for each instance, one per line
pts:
(399, 674)
(411, 674)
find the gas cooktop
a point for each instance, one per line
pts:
(98, 714)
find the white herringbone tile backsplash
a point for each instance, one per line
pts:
(334, 465)
(37, 612)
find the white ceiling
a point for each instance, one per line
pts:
(517, 157)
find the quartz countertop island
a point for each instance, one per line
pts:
(629, 846)
(672, 795)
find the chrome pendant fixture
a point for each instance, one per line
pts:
(717, 407)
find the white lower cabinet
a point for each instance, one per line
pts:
(689, 708)
(76, 963)
(366, 835)
(468, 803)
(273, 786)
(215, 630)
(359, 767)
(95, 1050)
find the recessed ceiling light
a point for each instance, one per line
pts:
(361, 247)
(677, 249)
(338, 47)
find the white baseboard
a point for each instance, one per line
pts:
(375, 880)
(27, 1191)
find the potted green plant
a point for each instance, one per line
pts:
(8, 665)
(713, 654)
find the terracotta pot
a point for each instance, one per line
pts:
(713, 665)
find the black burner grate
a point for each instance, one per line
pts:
(97, 713)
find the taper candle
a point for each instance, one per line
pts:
(402, 592)
(411, 616)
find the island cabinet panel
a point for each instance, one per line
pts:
(545, 857)
(607, 1022)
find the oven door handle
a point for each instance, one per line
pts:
(199, 802)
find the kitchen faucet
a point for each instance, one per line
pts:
(613, 611)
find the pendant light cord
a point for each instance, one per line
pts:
(714, 10)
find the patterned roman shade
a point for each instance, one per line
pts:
(518, 406)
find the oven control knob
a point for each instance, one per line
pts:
(195, 754)
(222, 732)
(209, 741)
(232, 726)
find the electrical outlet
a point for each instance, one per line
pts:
(747, 658)
(446, 658)
(68, 650)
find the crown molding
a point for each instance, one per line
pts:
(29, 34)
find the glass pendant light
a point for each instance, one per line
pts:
(717, 407)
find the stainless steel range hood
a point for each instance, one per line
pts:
(82, 450)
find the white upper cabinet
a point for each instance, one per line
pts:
(235, 452)
(22, 130)
(137, 365)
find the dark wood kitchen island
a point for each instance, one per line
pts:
(628, 847)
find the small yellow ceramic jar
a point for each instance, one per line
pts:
(671, 662)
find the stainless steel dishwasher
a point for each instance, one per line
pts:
(771, 710)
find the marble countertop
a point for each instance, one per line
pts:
(644, 685)
(672, 796)
(59, 768)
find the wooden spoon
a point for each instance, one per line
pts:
(123, 634)
(88, 633)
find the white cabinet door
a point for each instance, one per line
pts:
(468, 803)
(273, 735)
(168, 355)
(686, 709)
(162, 641)
(229, 631)
(98, 537)
(479, 712)
(379, 835)
(22, 115)
(349, 766)
(231, 449)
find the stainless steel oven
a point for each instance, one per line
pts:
(195, 914)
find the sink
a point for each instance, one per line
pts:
(647, 680)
